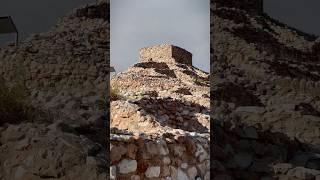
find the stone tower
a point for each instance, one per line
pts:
(165, 53)
(251, 6)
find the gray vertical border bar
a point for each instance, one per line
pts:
(107, 108)
(14, 28)
(212, 59)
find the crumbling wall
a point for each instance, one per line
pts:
(251, 6)
(94, 11)
(181, 55)
(165, 53)
(171, 157)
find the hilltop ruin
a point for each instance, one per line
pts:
(165, 53)
(251, 6)
(164, 100)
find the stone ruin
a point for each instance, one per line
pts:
(251, 6)
(165, 53)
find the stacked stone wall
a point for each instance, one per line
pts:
(251, 6)
(94, 11)
(181, 55)
(165, 53)
(183, 157)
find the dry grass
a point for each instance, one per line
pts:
(12, 105)
(114, 94)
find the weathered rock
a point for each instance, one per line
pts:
(135, 177)
(264, 96)
(302, 173)
(250, 132)
(127, 166)
(117, 152)
(113, 172)
(153, 172)
(282, 168)
(243, 160)
(192, 172)
(166, 160)
(182, 175)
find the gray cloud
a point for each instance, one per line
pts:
(140, 23)
(303, 15)
(36, 16)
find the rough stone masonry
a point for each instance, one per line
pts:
(264, 98)
(165, 53)
(160, 123)
(254, 7)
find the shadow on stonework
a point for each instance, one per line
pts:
(242, 152)
(174, 113)
(94, 12)
(243, 96)
(200, 80)
(152, 64)
(159, 67)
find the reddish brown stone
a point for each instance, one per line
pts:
(142, 166)
(131, 151)
(116, 153)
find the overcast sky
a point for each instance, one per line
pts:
(303, 15)
(35, 16)
(139, 23)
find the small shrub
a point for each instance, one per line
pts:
(114, 94)
(12, 107)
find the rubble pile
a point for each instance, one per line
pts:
(71, 55)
